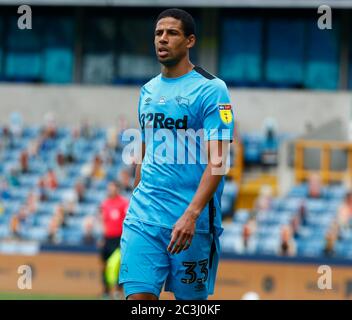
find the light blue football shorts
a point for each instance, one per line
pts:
(147, 266)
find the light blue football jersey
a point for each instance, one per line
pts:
(177, 116)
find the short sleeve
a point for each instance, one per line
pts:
(217, 111)
(139, 115)
(125, 209)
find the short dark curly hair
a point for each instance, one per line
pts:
(188, 24)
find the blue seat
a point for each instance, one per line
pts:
(336, 192)
(233, 228)
(4, 231)
(13, 205)
(30, 132)
(310, 248)
(298, 191)
(35, 233)
(316, 205)
(72, 237)
(241, 216)
(228, 198)
(43, 220)
(46, 208)
(75, 222)
(291, 203)
(86, 209)
(29, 180)
(268, 246)
(56, 195)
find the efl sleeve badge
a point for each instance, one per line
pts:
(225, 112)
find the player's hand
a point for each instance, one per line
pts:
(182, 233)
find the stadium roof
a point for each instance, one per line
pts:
(190, 3)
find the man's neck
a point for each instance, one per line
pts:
(178, 70)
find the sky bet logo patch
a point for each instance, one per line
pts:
(225, 112)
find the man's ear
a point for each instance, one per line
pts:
(191, 41)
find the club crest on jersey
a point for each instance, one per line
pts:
(225, 112)
(182, 102)
(162, 100)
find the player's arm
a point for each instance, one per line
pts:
(218, 123)
(184, 229)
(138, 168)
(140, 159)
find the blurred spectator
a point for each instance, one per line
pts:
(34, 147)
(17, 220)
(24, 164)
(31, 203)
(108, 155)
(2, 208)
(6, 139)
(43, 192)
(70, 203)
(329, 247)
(53, 229)
(125, 182)
(302, 213)
(315, 188)
(80, 192)
(60, 169)
(113, 212)
(246, 234)
(13, 177)
(15, 226)
(50, 126)
(4, 190)
(86, 130)
(88, 231)
(67, 146)
(112, 138)
(269, 155)
(49, 181)
(16, 124)
(287, 243)
(344, 215)
(72, 197)
(59, 216)
(248, 242)
(94, 171)
(264, 200)
(295, 224)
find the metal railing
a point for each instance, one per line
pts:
(326, 148)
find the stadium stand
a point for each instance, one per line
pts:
(54, 179)
(63, 177)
